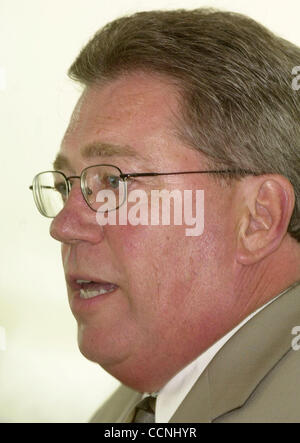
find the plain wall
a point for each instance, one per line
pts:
(43, 376)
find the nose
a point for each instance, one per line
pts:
(76, 222)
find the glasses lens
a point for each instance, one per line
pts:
(103, 188)
(50, 190)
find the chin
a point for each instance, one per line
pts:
(109, 355)
(101, 350)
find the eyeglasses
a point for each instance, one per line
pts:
(51, 189)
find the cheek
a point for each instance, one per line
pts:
(155, 261)
(134, 246)
(65, 254)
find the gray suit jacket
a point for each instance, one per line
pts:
(254, 378)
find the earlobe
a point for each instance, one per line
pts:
(264, 221)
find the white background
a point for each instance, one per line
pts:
(43, 376)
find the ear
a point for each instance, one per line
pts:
(266, 205)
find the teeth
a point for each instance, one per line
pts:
(85, 293)
(82, 281)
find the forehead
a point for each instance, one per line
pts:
(133, 116)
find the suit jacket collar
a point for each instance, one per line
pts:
(243, 361)
(125, 415)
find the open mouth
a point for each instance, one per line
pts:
(91, 289)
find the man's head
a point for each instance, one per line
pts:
(181, 91)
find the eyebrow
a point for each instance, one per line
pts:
(96, 150)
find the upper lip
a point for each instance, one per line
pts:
(73, 278)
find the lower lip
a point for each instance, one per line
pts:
(81, 305)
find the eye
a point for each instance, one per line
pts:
(61, 189)
(113, 181)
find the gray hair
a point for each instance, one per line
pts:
(238, 105)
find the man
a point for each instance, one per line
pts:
(204, 322)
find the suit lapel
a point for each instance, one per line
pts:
(243, 361)
(126, 415)
(117, 408)
(196, 406)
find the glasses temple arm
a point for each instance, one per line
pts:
(153, 174)
(46, 187)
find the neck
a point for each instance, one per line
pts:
(260, 283)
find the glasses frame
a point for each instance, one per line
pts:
(124, 177)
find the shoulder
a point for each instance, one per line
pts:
(276, 398)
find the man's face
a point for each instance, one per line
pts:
(168, 302)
